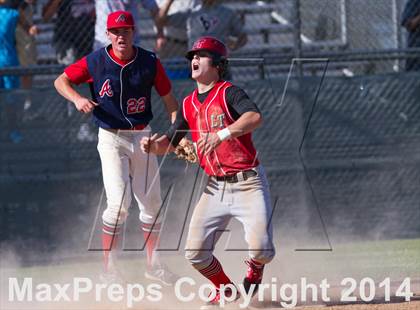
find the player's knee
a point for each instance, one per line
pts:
(197, 257)
(150, 218)
(191, 255)
(114, 217)
(263, 256)
(262, 249)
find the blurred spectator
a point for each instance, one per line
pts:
(74, 28)
(211, 18)
(411, 21)
(74, 36)
(9, 16)
(25, 38)
(203, 18)
(175, 40)
(104, 7)
(26, 45)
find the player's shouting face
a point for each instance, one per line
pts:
(121, 39)
(202, 69)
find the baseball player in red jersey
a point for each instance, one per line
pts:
(122, 77)
(221, 118)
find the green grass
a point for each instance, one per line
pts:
(396, 259)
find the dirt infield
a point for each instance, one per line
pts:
(395, 260)
(413, 305)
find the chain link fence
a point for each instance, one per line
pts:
(360, 152)
(356, 36)
(361, 145)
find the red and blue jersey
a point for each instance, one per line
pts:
(122, 90)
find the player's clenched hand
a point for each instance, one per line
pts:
(208, 142)
(85, 105)
(147, 144)
(155, 145)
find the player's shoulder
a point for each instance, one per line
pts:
(145, 57)
(188, 98)
(190, 95)
(142, 52)
(104, 51)
(234, 92)
(96, 55)
(230, 87)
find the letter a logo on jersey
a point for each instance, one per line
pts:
(106, 89)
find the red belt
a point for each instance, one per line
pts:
(137, 127)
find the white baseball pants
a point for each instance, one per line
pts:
(247, 201)
(126, 170)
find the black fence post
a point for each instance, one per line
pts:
(297, 31)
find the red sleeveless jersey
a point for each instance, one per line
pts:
(231, 156)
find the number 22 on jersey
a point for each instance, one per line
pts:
(136, 105)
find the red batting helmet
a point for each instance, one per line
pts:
(208, 44)
(120, 19)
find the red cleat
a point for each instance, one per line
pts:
(215, 302)
(253, 276)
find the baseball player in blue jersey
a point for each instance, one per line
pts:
(122, 76)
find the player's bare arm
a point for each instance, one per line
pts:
(248, 122)
(66, 89)
(171, 105)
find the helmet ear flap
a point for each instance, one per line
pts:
(218, 60)
(222, 66)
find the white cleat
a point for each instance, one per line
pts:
(112, 277)
(162, 274)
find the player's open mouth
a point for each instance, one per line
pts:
(195, 67)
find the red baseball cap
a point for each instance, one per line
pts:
(120, 19)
